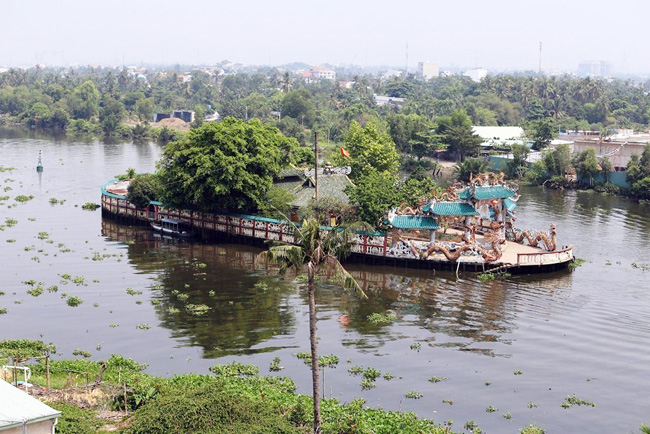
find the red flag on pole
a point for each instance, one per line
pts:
(344, 152)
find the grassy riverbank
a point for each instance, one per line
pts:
(116, 396)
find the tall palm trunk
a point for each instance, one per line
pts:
(314, 349)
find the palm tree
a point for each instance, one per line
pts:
(315, 248)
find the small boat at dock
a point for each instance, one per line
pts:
(173, 227)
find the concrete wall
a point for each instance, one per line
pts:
(43, 427)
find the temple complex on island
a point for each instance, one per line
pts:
(466, 228)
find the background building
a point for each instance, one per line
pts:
(428, 70)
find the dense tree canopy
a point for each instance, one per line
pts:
(371, 151)
(226, 166)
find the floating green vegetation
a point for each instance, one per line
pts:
(327, 361)
(173, 310)
(79, 280)
(572, 400)
(43, 235)
(2, 293)
(532, 405)
(416, 346)
(577, 262)
(507, 416)
(201, 265)
(356, 370)
(89, 206)
(642, 267)
(487, 383)
(3, 311)
(275, 365)
(95, 304)
(387, 376)
(448, 401)
(261, 286)
(367, 384)
(211, 293)
(412, 394)
(143, 326)
(74, 301)
(488, 276)
(31, 282)
(197, 309)
(112, 325)
(491, 409)
(22, 198)
(532, 429)
(54, 201)
(518, 372)
(437, 379)
(472, 426)
(234, 369)
(382, 318)
(371, 373)
(11, 240)
(133, 291)
(6, 169)
(3, 198)
(155, 302)
(31, 219)
(138, 302)
(35, 292)
(82, 353)
(11, 222)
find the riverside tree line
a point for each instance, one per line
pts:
(437, 114)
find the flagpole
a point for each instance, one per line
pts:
(316, 163)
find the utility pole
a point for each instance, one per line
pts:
(316, 166)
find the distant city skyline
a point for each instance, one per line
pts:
(498, 36)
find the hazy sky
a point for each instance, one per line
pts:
(498, 34)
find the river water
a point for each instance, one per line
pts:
(521, 345)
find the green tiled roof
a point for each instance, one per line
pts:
(414, 222)
(331, 186)
(450, 208)
(487, 192)
(510, 204)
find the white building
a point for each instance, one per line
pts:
(428, 70)
(476, 74)
(23, 414)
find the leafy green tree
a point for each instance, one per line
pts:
(111, 115)
(542, 132)
(144, 189)
(586, 164)
(456, 132)
(144, 108)
(518, 165)
(224, 166)
(411, 133)
(471, 166)
(371, 151)
(84, 102)
(316, 249)
(297, 104)
(558, 161)
(374, 195)
(416, 187)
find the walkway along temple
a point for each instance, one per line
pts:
(392, 248)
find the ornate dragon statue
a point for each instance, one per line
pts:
(533, 238)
